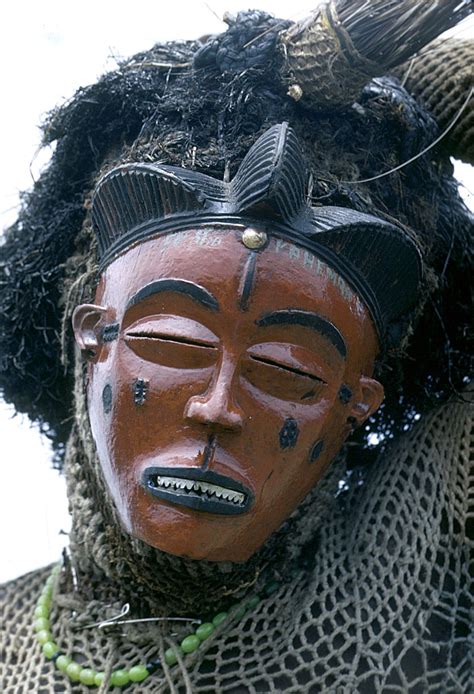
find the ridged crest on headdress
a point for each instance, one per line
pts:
(129, 196)
(273, 175)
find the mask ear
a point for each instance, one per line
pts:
(87, 323)
(367, 399)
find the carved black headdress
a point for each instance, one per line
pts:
(134, 202)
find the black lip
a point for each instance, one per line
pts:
(192, 499)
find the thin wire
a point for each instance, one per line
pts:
(294, 18)
(259, 36)
(423, 151)
(149, 619)
(218, 17)
(112, 621)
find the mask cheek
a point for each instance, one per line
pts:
(322, 439)
(107, 410)
(109, 407)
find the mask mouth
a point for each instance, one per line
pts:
(201, 490)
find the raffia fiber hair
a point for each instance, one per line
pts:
(202, 105)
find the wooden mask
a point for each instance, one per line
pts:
(228, 359)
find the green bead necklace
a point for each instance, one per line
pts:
(137, 673)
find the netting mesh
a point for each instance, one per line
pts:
(385, 607)
(441, 77)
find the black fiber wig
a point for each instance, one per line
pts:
(201, 106)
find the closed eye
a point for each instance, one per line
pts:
(291, 369)
(170, 338)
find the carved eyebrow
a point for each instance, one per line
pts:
(169, 284)
(307, 319)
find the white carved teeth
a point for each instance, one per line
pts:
(203, 487)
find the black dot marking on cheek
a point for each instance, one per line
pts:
(107, 398)
(345, 394)
(289, 433)
(140, 391)
(316, 451)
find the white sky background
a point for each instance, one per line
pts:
(48, 49)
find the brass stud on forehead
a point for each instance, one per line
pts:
(251, 238)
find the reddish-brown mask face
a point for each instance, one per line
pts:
(222, 382)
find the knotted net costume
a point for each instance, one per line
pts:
(386, 605)
(375, 580)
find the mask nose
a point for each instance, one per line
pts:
(217, 407)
